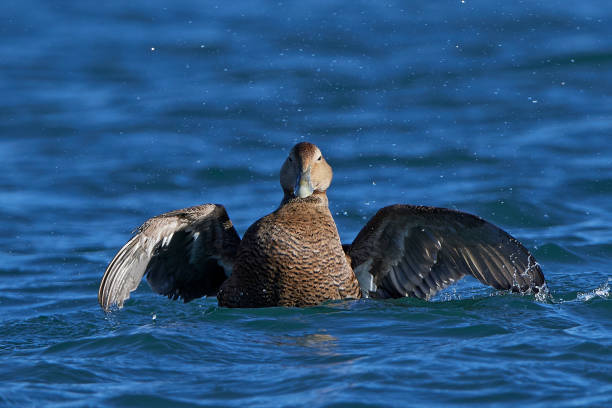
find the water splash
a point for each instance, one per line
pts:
(602, 291)
(543, 295)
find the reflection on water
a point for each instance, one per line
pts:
(319, 343)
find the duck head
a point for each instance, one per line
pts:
(305, 171)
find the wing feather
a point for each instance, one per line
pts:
(416, 251)
(184, 254)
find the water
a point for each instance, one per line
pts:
(112, 112)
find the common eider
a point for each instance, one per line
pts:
(294, 256)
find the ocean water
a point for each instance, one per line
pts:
(113, 112)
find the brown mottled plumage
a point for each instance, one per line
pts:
(284, 261)
(294, 256)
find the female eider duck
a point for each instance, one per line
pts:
(294, 256)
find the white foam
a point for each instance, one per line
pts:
(602, 291)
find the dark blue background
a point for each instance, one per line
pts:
(112, 112)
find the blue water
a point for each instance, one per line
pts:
(112, 112)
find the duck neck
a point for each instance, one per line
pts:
(317, 198)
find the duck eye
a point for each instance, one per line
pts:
(319, 159)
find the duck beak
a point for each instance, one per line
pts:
(303, 188)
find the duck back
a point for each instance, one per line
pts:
(292, 257)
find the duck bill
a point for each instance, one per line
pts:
(303, 188)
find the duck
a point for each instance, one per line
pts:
(294, 257)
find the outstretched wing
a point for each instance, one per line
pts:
(185, 253)
(415, 251)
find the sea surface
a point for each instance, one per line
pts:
(112, 112)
